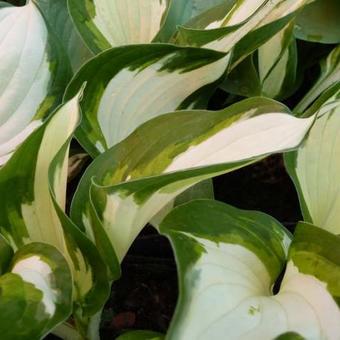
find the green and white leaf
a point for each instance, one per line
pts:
(109, 23)
(315, 167)
(270, 71)
(330, 75)
(33, 192)
(129, 85)
(33, 71)
(35, 294)
(59, 20)
(277, 63)
(248, 24)
(130, 183)
(319, 22)
(229, 261)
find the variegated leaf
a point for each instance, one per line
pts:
(34, 73)
(228, 262)
(277, 62)
(135, 179)
(131, 84)
(315, 166)
(58, 18)
(109, 23)
(270, 71)
(35, 294)
(246, 26)
(330, 75)
(33, 192)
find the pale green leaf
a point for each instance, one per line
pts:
(34, 73)
(130, 183)
(228, 261)
(319, 22)
(131, 84)
(315, 167)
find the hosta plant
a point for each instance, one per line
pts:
(162, 96)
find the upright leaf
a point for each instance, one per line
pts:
(129, 85)
(228, 261)
(315, 166)
(330, 75)
(36, 293)
(131, 182)
(34, 73)
(277, 60)
(33, 192)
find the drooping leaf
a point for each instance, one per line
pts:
(315, 166)
(130, 183)
(319, 22)
(330, 75)
(109, 23)
(35, 294)
(228, 261)
(129, 85)
(33, 192)
(34, 73)
(59, 20)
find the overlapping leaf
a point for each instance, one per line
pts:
(330, 75)
(247, 25)
(33, 192)
(34, 73)
(269, 71)
(138, 177)
(229, 260)
(58, 18)
(129, 85)
(104, 24)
